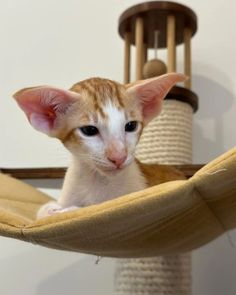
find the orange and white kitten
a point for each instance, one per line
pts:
(100, 122)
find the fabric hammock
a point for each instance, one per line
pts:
(171, 217)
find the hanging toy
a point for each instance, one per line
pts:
(154, 67)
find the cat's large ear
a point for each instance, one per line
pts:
(151, 93)
(45, 106)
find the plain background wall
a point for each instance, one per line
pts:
(61, 42)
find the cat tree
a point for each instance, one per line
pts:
(168, 138)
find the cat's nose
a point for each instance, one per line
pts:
(116, 152)
(117, 159)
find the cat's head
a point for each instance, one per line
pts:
(98, 120)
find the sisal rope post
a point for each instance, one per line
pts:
(166, 140)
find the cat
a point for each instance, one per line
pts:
(100, 122)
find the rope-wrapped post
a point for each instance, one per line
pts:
(166, 140)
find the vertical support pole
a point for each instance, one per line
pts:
(171, 66)
(139, 47)
(145, 53)
(187, 57)
(127, 38)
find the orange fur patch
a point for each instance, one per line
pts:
(95, 94)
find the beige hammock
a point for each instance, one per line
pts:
(172, 217)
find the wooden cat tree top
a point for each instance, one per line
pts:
(154, 15)
(175, 24)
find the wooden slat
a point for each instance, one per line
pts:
(127, 56)
(139, 31)
(187, 57)
(34, 173)
(37, 173)
(171, 44)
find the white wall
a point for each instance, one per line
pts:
(61, 42)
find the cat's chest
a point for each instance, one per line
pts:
(100, 189)
(82, 188)
(103, 189)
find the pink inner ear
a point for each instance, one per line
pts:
(41, 122)
(151, 93)
(151, 98)
(43, 105)
(152, 108)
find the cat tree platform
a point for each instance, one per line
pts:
(172, 217)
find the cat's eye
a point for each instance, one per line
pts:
(89, 130)
(131, 126)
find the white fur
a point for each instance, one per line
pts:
(116, 120)
(84, 187)
(84, 183)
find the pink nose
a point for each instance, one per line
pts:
(118, 160)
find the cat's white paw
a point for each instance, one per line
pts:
(52, 208)
(49, 209)
(71, 208)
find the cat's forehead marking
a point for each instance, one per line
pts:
(107, 102)
(116, 119)
(99, 92)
